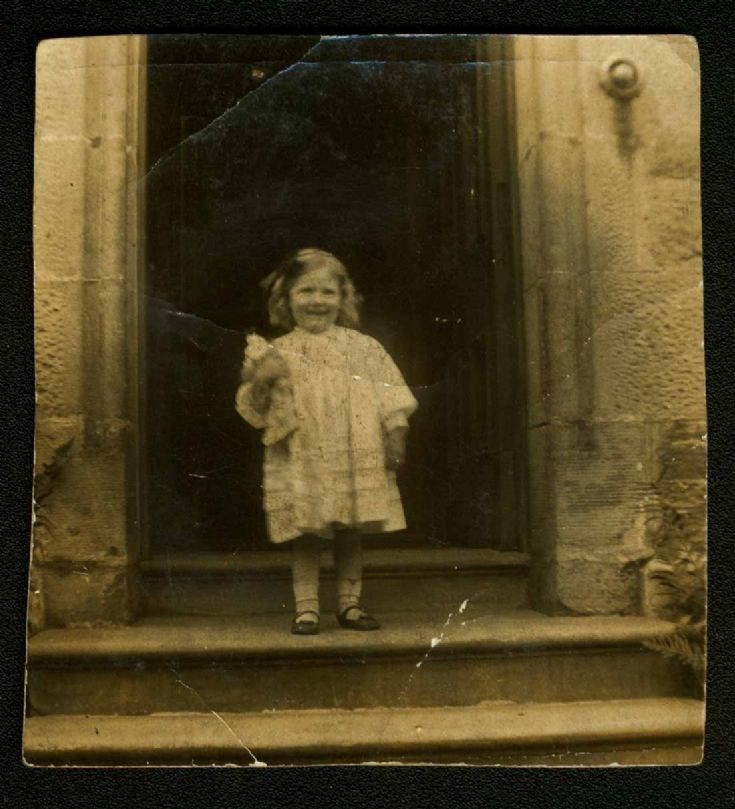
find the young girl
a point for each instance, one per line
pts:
(334, 409)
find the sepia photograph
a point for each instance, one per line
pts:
(370, 403)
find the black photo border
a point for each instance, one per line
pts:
(711, 784)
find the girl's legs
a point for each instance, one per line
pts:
(348, 567)
(306, 551)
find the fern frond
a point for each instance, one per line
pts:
(687, 650)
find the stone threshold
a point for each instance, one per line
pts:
(376, 561)
(268, 637)
(665, 730)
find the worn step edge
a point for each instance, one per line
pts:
(267, 636)
(398, 561)
(377, 732)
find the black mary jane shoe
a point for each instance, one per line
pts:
(363, 623)
(305, 627)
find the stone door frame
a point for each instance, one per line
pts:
(88, 216)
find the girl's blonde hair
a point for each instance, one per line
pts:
(279, 283)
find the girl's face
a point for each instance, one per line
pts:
(315, 299)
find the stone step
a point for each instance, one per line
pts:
(638, 731)
(460, 658)
(395, 580)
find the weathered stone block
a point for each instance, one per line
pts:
(595, 509)
(59, 93)
(54, 56)
(682, 452)
(597, 587)
(84, 516)
(60, 203)
(86, 593)
(648, 347)
(602, 479)
(54, 442)
(672, 225)
(80, 347)
(675, 151)
(58, 335)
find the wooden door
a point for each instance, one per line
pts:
(373, 150)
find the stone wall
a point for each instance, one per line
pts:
(86, 264)
(608, 196)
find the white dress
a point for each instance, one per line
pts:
(330, 471)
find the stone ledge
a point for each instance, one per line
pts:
(393, 560)
(268, 637)
(370, 735)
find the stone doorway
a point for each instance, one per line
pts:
(256, 147)
(595, 189)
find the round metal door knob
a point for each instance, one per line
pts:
(620, 77)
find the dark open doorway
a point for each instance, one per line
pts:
(391, 152)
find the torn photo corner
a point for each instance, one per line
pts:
(452, 511)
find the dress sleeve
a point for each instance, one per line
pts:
(395, 400)
(244, 406)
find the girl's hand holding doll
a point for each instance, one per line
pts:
(265, 368)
